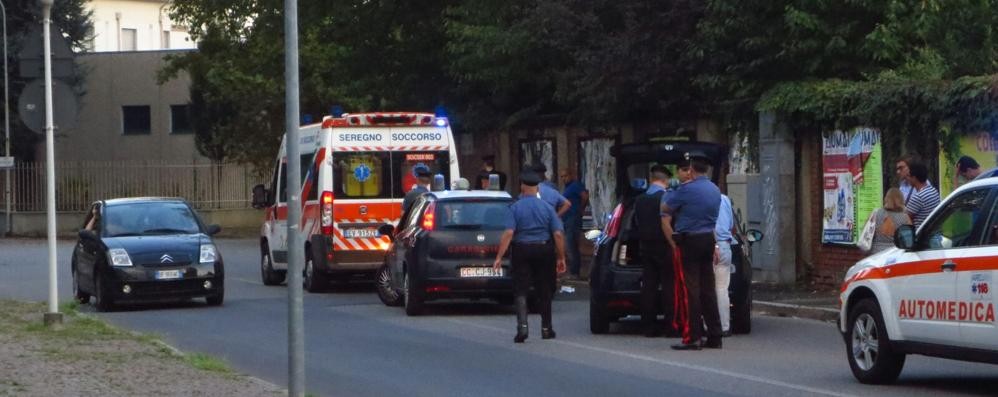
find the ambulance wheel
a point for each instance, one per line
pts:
(267, 272)
(599, 323)
(871, 357)
(413, 299)
(314, 280)
(388, 295)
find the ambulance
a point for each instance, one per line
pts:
(934, 294)
(355, 171)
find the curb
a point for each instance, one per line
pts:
(788, 310)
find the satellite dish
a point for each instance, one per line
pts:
(31, 106)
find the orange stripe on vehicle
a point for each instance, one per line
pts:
(375, 211)
(968, 264)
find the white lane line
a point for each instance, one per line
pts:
(247, 281)
(694, 367)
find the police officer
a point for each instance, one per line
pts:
(548, 192)
(423, 179)
(655, 254)
(695, 205)
(535, 233)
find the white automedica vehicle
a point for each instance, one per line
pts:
(932, 294)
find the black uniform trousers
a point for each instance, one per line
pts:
(657, 270)
(698, 271)
(534, 263)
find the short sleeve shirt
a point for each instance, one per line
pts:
(573, 193)
(410, 198)
(532, 220)
(550, 195)
(725, 220)
(921, 203)
(694, 206)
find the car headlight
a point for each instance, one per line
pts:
(207, 253)
(119, 257)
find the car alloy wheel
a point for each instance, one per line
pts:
(313, 280)
(267, 272)
(865, 346)
(871, 356)
(413, 302)
(388, 295)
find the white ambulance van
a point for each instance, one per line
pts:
(355, 171)
(933, 294)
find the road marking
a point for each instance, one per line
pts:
(751, 378)
(247, 281)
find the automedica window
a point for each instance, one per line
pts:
(362, 175)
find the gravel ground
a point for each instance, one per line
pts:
(87, 357)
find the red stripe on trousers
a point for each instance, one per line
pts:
(682, 305)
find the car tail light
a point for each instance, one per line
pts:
(437, 288)
(428, 214)
(327, 213)
(613, 227)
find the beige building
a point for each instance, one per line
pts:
(135, 25)
(125, 115)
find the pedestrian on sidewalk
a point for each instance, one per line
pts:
(695, 206)
(578, 196)
(656, 255)
(886, 220)
(903, 170)
(924, 198)
(536, 235)
(489, 168)
(724, 232)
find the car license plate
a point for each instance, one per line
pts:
(360, 233)
(480, 272)
(167, 274)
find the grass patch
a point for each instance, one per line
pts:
(207, 363)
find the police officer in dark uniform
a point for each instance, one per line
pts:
(535, 233)
(694, 205)
(655, 254)
(423, 179)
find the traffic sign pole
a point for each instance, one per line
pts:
(53, 316)
(6, 121)
(296, 316)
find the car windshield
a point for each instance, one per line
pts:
(150, 218)
(472, 215)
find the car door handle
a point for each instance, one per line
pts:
(948, 266)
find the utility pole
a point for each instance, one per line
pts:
(6, 121)
(296, 320)
(53, 316)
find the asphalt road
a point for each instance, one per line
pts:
(358, 347)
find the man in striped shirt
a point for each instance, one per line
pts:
(924, 198)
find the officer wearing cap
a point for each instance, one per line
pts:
(656, 255)
(534, 232)
(548, 192)
(423, 180)
(695, 205)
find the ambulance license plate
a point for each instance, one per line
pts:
(480, 272)
(360, 233)
(167, 274)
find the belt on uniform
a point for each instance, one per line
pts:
(543, 242)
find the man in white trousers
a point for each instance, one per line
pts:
(724, 232)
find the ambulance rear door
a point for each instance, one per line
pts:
(362, 187)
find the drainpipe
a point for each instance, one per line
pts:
(117, 24)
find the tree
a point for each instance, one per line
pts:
(71, 18)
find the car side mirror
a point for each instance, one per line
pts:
(387, 230)
(261, 197)
(212, 230)
(87, 234)
(593, 235)
(904, 237)
(754, 236)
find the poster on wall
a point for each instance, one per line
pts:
(982, 147)
(853, 182)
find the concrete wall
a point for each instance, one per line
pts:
(149, 18)
(127, 78)
(235, 223)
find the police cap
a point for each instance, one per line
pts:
(691, 155)
(530, 178)
(539, 168)
(421, 171)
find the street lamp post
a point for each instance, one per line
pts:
(53, 316)
(6, 120)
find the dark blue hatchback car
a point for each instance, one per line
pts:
(146, 249)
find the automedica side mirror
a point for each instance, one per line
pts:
(754, 236)
(261, 197)
(904, 237)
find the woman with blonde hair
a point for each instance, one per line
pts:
(887, 219)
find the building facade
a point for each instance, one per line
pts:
(135, 25)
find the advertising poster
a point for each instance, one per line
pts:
(853, 182)
(982, 147)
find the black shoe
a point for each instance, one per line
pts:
(711, 343)
(547, 333)
(726, 334)
(686, 346)
(521, 335)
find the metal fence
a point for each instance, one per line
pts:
(78, 184)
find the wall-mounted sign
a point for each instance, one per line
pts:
(853, 182)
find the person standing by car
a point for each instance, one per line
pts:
(536, 235)
(924, 197)
(548, 192)
(695, 206)
(886, 220)
(966, 168)
(577, 194)
(724, 232)
(657, 268)
(423, 180)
